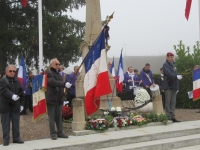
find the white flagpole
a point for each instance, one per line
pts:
(199, 19)
(40, 35)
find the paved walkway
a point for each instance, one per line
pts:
(76, 140)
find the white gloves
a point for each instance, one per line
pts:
(179, 77)
(21, 108)
(68, 85)
(15, 97)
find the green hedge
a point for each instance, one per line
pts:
(185, 85)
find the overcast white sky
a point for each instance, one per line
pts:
(147, 27)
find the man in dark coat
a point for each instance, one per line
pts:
(147, 78)
(11, 98)
(161, 86)
(55, 97)
(171, 86)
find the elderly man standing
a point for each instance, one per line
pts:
(54, 98)
(11, 98)
(171, 86)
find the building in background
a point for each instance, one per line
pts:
(138, 62)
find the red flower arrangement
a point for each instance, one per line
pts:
(66, 112)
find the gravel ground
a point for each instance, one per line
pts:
(40, 130)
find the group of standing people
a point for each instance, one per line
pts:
(168, 83)
(13, 98)
(133, 79)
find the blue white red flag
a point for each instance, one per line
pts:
(22, 73)
(39, 100)
(96, 81)
(112, 70)
(196, 84)
(120, 75)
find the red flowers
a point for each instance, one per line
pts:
(66, 112)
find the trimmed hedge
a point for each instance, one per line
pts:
(185, 85)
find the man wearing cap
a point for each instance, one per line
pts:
(170, 86)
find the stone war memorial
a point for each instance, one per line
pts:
(107, 122)
(93, 28)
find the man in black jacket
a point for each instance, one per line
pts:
(11, 97)
(55, 97)
(171, 86)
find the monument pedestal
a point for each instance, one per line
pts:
(157, 104)
(78, 122)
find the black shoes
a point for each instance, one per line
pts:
(174, 120)
(19, 142)
(22, 113)
(5, 144)
(59, 136)
(53, 137)
(62, 136)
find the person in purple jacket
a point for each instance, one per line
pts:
(129, 81)
(72, 79)
(137, 80)
(147, 78)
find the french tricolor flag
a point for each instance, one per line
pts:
(39, 100)
(120, 75)
(196, 84)
(96, 81)
(22, 73)
(112, 70)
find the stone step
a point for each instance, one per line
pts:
(149, 134)
(163, 144)
(195, 147)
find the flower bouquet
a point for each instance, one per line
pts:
(121, 121)
(98, 124)
(66, 113)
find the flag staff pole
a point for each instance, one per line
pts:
(40, 35)
(199, 17)
(108, 20)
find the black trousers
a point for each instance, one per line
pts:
(55, 116)
(70, 98)
(163, 99)
(130, 95)
(149, 92)
(14, 117)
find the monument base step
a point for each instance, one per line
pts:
(163, 144)
(195, 147)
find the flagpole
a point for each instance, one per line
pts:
(40, 35)
(199, 18)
